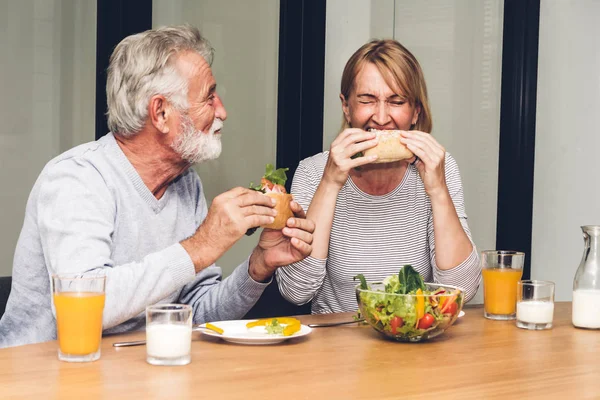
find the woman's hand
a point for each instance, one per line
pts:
(348, 143)
(431, 160)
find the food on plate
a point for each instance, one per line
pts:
(406, 308)
(272, 184)
(214, 328)
(388, 149)
(285, 326)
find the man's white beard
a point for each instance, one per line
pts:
(195, 146)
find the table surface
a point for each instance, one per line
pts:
(476, 358)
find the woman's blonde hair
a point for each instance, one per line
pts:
(401, 71)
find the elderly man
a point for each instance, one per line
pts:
(129, 206)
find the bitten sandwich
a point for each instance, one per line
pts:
(389, 148)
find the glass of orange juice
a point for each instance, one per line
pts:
(79, 303)
(501, 270)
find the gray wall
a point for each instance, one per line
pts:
(567, 181)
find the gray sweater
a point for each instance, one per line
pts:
(89, 210)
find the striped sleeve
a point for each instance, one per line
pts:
(299, 282)
(467, 274)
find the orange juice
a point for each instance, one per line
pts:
(79, 321)
(500, 290)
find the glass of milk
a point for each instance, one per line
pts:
(168, 334)
(535, 304)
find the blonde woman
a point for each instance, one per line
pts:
(372, 218)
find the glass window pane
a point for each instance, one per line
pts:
(245, 35)
(459, 46)
(48, 75)
(566, 189)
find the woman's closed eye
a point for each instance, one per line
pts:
(397, 102)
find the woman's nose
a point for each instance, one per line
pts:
(381, 116)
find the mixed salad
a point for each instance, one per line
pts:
(408, 316)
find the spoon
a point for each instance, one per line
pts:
(328, 324)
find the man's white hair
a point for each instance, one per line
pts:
(142, 66)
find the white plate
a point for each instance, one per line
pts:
(236, 332)
(461, 313)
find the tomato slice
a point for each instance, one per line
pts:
(266, 184)
(396, 323)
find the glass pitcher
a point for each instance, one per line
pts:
(586, 285)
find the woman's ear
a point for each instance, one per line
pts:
(416, 115)
(159, 112)
(345, 108)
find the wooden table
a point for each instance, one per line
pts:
(476, 358)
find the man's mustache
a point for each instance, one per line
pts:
(217, 125)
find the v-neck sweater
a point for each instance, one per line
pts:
(89, 212)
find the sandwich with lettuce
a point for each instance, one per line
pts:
(272, 184)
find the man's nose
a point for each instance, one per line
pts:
(220, 111)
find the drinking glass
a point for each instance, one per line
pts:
(535, 304)
(168, 334)
(501, 270)
(79, 303)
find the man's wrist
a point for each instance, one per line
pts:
(200, 250)
(256, 267)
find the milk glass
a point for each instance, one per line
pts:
(535, 304)
(168, 334)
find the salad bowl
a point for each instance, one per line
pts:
(409, 314)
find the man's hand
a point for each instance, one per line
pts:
(279, 248)
(230, 215)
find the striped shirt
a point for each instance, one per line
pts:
(374, 236)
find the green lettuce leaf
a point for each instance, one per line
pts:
(274, 327)
(277, 176)
(410, 280)
(363, 281)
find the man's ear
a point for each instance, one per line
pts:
(345, 108)
(159, 112)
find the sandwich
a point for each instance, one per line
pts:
(272, 184)
(389, 148)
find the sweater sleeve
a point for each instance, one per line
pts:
(76, 218)
(216, 300)
(299, 282)
(467, 274)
